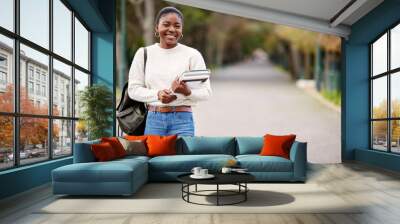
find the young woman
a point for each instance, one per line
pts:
(169, 100)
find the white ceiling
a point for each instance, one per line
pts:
(315, 15)
(321, 9)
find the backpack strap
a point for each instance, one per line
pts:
(144, 68)
(145, 60)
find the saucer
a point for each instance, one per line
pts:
(208, 176)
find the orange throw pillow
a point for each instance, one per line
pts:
(103, 151)
(116, 145)
(161, 145)
(277, 145)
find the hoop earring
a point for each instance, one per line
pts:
(156, 34)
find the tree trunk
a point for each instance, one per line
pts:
(307, 65)
(220, 50)
(146, 20)
(327, 62)
(294, 61)
(148, 26)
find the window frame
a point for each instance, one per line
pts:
(16, 114)
(388, 74)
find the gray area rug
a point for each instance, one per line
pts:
(166, 198)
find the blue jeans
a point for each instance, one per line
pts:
(172, 123)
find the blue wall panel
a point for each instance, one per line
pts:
(102, 64)
(356, 92)
(24, 178)
(376, 158)
(103, 53)
(356, 99)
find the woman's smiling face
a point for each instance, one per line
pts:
(170, 29)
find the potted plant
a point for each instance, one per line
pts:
(96, 104)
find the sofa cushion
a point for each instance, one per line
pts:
(185, 163)
(277, 145)
(103, 152)
(161, 145)
(257, 163)
(132, 158)
(116, 145)
(135, 137)
(111, 171)
(134, 147)
(206, 145)
(249, 145)
(83, 152)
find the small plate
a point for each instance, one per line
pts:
(240, 171)
(208, 176)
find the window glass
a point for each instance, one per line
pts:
(62, 91)
(6, 142)
(81, 81)
(395, 136)
(39, 62)
(7, 14)
(379, 55)
(33, 140)
(395, 47)
(81, 45)
(62, 29)
(34, 21)
(379, 97)
(395, 95)
(6, 74)
(81, 131)
(62, 138)
(379, 135)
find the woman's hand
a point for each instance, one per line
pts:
(180, 87)
(166, 96)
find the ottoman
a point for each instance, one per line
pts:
(118, 177)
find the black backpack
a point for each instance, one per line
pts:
(131, 114)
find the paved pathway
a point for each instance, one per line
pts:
(251, 99)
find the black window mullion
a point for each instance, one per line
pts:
(73, 82)
(16, 84)
(371, 137)
(50, 87)
(389, 112)
(89, 53)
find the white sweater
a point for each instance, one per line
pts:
(162, 67)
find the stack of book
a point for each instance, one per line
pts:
(195, 75)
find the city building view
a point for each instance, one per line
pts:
(207, 112)
(45, 105)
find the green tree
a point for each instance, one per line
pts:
(96, 102)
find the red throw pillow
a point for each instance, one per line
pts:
(116, 145)
(277, 145)
(136, 137)
(103, 151)
(161, 145)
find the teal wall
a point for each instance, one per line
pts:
(99, 15)
(355, 86)
(103, 53)
(24, 178)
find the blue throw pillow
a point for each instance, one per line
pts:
(206, 145)
(83, 153)
(249, 145)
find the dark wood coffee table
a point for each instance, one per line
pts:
(238, 179)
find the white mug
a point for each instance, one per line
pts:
(203, 172)
(226, 170)
(196, 171)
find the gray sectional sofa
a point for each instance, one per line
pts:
(125, 176)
